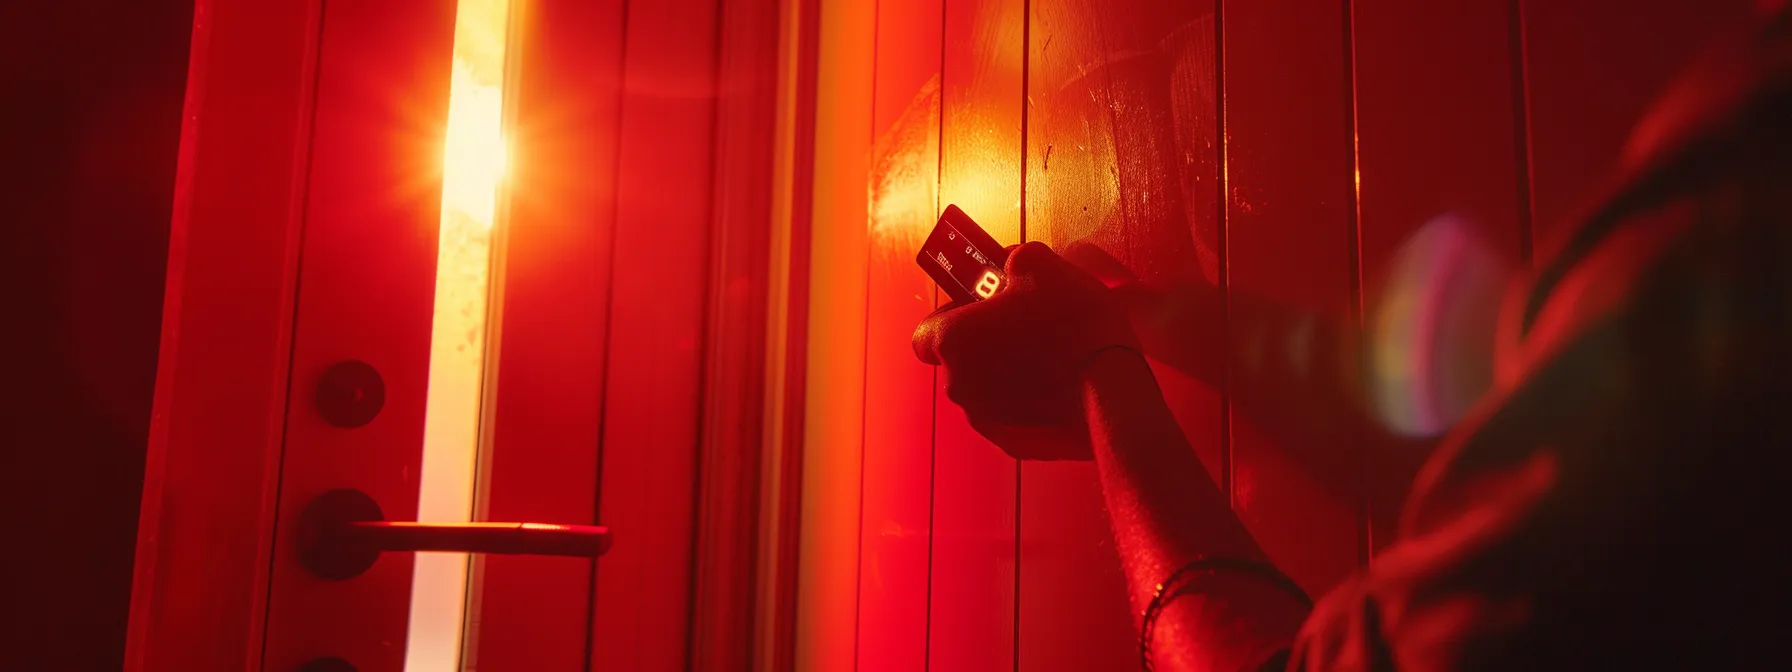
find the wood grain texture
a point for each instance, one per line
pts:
(1291, 240)
(1072, 592)
(894, 532)
(1355, 135)
(1122, 154)
(972, 599)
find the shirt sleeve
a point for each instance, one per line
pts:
(1428, 602)
(1276, 663)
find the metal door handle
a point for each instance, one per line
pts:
(342, 533)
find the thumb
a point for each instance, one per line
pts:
(926, 339)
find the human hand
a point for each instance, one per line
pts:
(1014, 361)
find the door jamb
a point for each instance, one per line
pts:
(204, 535)
(785, 362)
(750, 460)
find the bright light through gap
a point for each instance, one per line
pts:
(473, 167)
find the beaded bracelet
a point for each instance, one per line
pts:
(1171, 587)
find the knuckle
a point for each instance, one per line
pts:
(1029, 258)
(925, 341)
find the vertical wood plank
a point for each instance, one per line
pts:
(1443, 217)
(972, 598)
(1121, 153)
(1594, 65)
(652, 396)
(373, 208)
(1291, 240)
(551, 322)
(1071, 589)
(898, 455)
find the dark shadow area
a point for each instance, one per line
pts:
(93, 92)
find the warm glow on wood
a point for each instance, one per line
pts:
(473, 166)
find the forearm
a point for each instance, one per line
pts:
(1297, 374)
(1167, 511)
(1267, 350)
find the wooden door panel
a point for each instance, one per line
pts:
(1072, 593)
(659, 280)
(1185, 204)
(367, 277)
(1444, 218)
(1067, 562)
(895, 505)
(550, 323)
(1121, 154)
(972, 601)
(1290, 239)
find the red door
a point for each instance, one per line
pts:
(514, 260)
(442, 269)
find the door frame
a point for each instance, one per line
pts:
(743, 488)
(205, 528)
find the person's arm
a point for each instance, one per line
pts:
(1166, 511)
(1286, 367)
(1049, 368)
(1297, 374)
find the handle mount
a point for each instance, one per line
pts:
(342, 532)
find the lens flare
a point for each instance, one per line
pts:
(1431, 334)
(473, 166)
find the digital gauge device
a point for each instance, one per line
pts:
(962, 257)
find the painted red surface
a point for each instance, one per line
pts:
(1440, 142)
(972, 599)
(1287, 149)
(1290, 239)
(552, 323)
(1353, 134)
(225, 334)
(372, 208)
(1120, 154)
(658, 302)
(894, 537)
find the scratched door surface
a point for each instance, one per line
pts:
(1384, 166)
